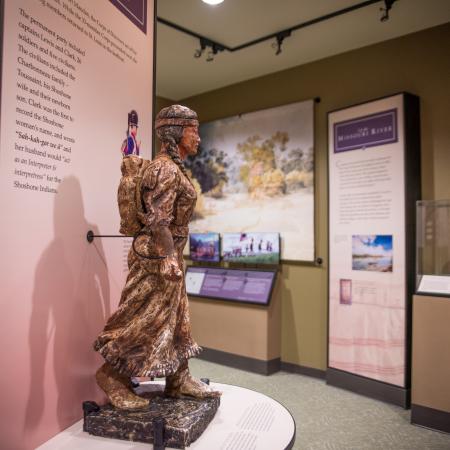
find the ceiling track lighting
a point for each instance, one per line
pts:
(214, 47)
(280, 37)
(387, 6)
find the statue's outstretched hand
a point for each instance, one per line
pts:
(170, 269)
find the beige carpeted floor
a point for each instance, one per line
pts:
(329, 418)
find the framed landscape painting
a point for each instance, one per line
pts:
(255, 173)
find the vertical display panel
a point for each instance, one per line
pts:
(369, 238)
(72, 70)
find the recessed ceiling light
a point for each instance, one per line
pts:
(212, 2)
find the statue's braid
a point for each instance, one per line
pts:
(172, 151)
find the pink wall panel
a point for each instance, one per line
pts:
(56, 289)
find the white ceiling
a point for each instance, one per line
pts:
(179, 75)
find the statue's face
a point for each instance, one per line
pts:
(189, 141)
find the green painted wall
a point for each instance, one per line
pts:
(417, 63)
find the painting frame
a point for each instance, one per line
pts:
(302, 145)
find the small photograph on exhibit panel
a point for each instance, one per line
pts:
(345, 291)
(372, 253)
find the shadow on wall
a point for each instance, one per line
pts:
(71, 302)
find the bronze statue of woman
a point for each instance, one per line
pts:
(150, 335)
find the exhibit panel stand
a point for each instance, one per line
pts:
(430, 399)
(253, 332)
(374, 182)
(245, 419)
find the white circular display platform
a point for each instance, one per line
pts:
(245, 420)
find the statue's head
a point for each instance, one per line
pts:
(177, 128)
(170, 122)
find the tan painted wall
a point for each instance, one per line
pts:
(246, 330)
(431, 365)
(417, 63)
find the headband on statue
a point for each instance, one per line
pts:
(178, 121)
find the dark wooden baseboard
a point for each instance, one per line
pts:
(303, 370)
(370, 388)
(241, 362)
(430, 418)
(257, 365)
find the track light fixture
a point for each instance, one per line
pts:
(199, 52)
(213, 49)
(387, 6)
(279, 40)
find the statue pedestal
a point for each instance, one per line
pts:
(185, 419)
(245, 419)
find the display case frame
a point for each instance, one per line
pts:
(433, 248)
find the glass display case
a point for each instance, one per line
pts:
(433, 247)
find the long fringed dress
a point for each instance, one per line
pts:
(150, 334)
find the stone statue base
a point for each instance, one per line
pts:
(184, 419)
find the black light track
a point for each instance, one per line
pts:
(283, 33)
